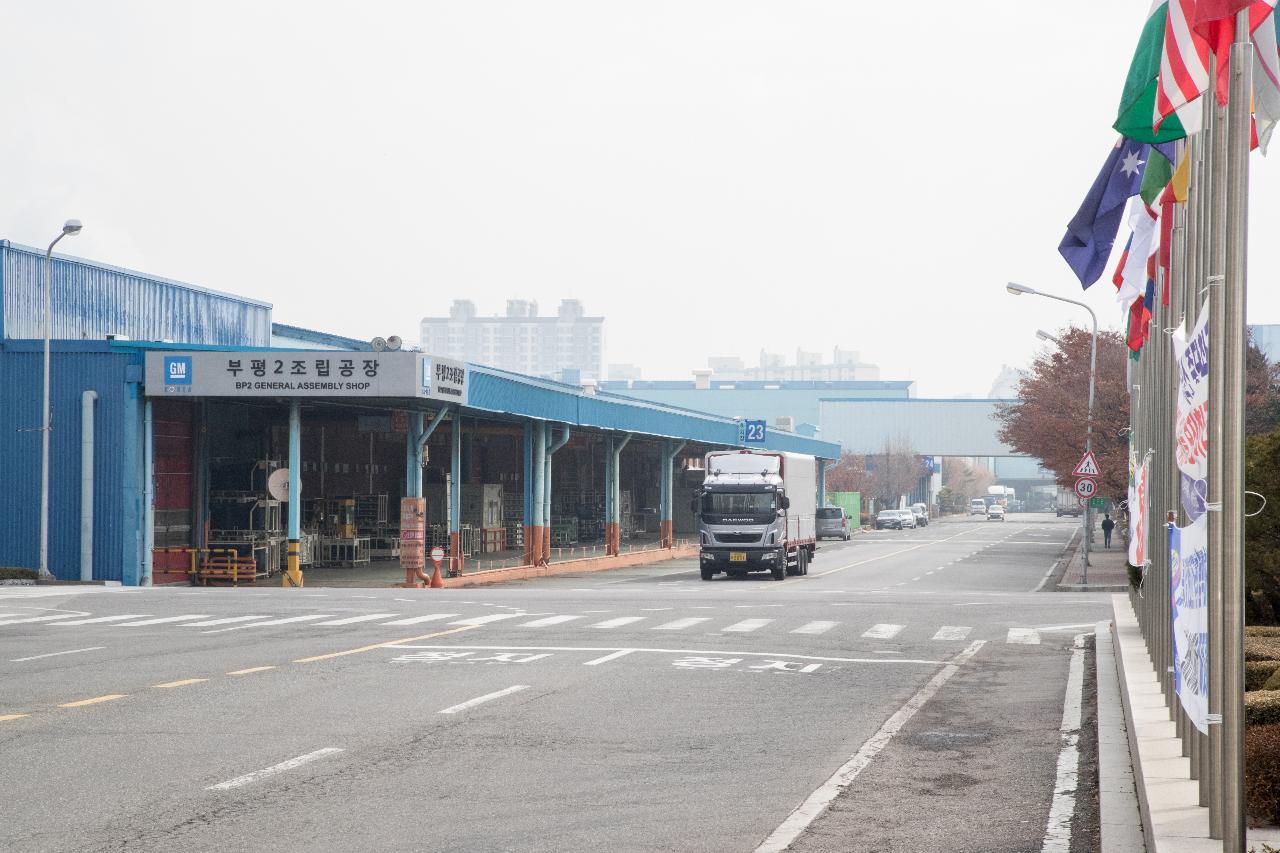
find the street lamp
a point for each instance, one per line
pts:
(72, 227)
(1045, 336)
(1016, 289)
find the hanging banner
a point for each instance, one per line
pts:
(1191, 425)
(1138, 516)
(1189, 590)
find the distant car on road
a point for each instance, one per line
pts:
(1072, 509)
(888, 519)
(908, 519)
(977, 506)
(921, 512)
(833, 523)
(995, 512)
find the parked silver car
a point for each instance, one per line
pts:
(832, 523)
(921, 512)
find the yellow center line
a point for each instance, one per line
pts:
(384, 645)
(7, 717)
(94, 701)
(183, 683)
(251, 669)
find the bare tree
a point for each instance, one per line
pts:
(895, 471)
(964, 480)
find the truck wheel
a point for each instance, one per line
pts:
(802, 562)
(780, 570)
(707, 574)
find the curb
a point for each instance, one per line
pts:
(589, 564)
(1119, 813)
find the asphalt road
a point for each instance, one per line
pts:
(640, 709)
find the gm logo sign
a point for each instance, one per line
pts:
(177, 370)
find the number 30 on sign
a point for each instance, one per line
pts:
(1086, 487)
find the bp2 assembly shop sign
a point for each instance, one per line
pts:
(333, 373)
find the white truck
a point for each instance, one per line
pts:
(757, 511)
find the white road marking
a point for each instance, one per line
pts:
(549, 620)
(883, 631)
(488, 697)
(351, 620)
(747, 625)
(285, 621)
(485, 620)
(952, 632)
(681, 624)
(817, 803)
(712, 652)
(414, 620)
(42, 618)
(1057, 833)
(98, 619)
(56, 654)
(1024, 636)
(274, 769)
(886, 556)
(1065, 627)
(819, 627)
(227, 620)
(618, 622)
(162, 620)
(607, 658)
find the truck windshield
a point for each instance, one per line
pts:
(738, 503)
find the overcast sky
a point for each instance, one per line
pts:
(712, 177)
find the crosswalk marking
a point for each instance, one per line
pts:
(1025, 636)
(485, 620)
(162, 620)
(285, 621)
(619, 622)
(747, 625)
(681, 624)
(351, 620)
(38, 619)
(819, 627)
(414, 620)
(227, 621)
(550, 620)
(952, 632)
(97, 619)
(883, 631)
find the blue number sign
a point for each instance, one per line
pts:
(751, 432)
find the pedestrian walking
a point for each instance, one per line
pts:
(1107, 526)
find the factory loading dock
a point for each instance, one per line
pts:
(199, 449)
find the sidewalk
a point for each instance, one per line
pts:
(1108, 568)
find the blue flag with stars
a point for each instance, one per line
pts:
(1092, 231)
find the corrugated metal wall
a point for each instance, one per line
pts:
(91, 301)
(117, 460)
(932, 427)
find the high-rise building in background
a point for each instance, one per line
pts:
(568, 346)
(844, 366)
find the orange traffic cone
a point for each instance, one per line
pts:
(437, 582)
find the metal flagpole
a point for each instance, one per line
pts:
(1233, 382)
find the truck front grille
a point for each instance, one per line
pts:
(738, 538)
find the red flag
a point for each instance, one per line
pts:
(1214, 21)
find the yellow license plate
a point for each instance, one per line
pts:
(737, 557)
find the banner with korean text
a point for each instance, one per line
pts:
(1191, 425)
(1189, 590)
(1138, 516)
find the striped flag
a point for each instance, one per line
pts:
(1184, 62)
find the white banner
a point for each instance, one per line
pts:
(1138, 517)
(1189, 570)
(1191, 426)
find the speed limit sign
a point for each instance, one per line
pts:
(1086, 487)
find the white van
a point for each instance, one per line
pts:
(977, 506)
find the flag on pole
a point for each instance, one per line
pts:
(1133, 275)
(1266, 81)
(1214, 21)
(1134, 119)
(1184, 61)
(1092, 231)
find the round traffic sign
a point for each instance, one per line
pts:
(1086, 487)
(437, 554)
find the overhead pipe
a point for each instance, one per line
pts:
(87, 399)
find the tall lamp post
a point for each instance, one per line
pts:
(1018, 290)
(72, 227)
